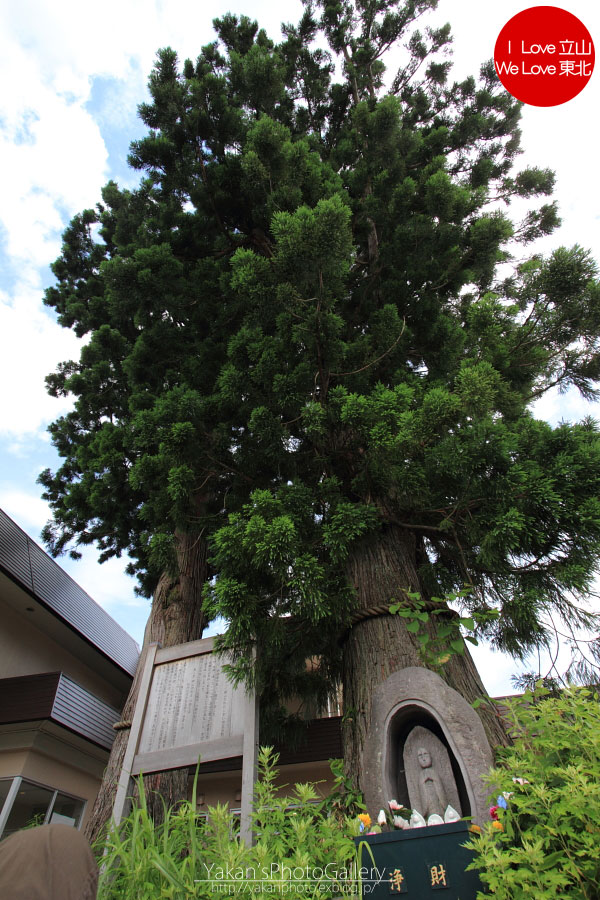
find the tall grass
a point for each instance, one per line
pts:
(187, 856)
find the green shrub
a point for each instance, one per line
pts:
(550, 843)
(297, 840)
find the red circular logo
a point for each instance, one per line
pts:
(544, 56)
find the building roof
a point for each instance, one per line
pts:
(34, 571)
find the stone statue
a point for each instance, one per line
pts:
(431, 792)
(429, 777)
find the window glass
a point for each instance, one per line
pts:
(67, 810)
(29, 808)
(5, 784)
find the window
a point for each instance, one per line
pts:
(29, 807)
(5, 784)
(67, 810)
(23, 802)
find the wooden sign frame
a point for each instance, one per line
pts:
(244, 744)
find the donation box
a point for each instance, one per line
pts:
(419, 863)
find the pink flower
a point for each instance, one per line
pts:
(394, 805)
(494, 812)
(520, 781)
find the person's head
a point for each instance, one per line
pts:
(50, 862)
(424, 757)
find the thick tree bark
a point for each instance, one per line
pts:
(381, 569)
(176, 617)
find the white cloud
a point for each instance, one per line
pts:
(108, 583)
(54, 158)
(110, 586)
(29, 511)
(31, 346)
(567, 407)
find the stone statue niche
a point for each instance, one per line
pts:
(429, 777)
(413, 710)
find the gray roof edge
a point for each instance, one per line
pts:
(63, 595)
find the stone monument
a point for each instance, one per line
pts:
(426, 748)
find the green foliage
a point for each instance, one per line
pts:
(344, 800)
(447, 632)
(282, 554)
(549, 845)
(186, 857)
(300, 831)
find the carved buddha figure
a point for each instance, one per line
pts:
(428, 771)
(431, 792)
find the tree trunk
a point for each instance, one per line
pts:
(176, 617)
(381, 569)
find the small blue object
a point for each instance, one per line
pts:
(502, 802)
(362, 827)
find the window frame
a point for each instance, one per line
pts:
(13, 790)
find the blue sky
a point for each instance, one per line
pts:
(73, 76)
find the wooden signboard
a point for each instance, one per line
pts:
(186, 709)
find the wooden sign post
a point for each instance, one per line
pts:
(187, 709)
